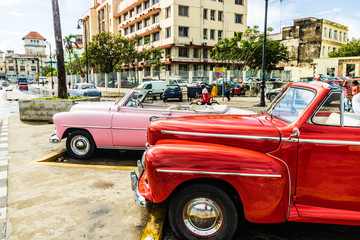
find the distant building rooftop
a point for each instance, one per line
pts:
(33, 35)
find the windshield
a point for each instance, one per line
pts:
(291, 103)
(135, 98)
(88, 87)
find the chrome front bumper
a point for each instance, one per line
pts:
(53, 138)
(139, 200)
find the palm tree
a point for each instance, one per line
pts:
(62, 89)
(69, 45)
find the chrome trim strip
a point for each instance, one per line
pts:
(287, 167)
(221, 173)
(124, 128)
(75, 126)
(331, 142)
(221, 135)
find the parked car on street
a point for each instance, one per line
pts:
(172, 91)
(84, 90)
(155, 88)
(271, 95)
(298, 161)
(23, 86)
(121, 124)
(178, 81)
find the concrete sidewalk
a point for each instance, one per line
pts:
(50, 202)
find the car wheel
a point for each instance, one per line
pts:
(272, 97)
(180, 99)
(161, 96)
(164, 99)
(203, 211)
(80, 144)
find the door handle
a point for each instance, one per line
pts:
(166, 113)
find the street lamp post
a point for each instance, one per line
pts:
(262, 86)
(83, 23)
(52, 77)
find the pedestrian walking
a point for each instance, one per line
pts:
(227, 90)
(347, 96)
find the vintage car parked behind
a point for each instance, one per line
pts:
(298, 161)
(121, 124)
(84, 90)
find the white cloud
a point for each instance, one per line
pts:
(16, 14)
(10, 3)
(334, 10)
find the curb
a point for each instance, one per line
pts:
(154, 225)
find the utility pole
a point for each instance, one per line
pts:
(262, 86)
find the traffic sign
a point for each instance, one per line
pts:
(83, 75)
(217, 74)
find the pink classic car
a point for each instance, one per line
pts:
(120, 125)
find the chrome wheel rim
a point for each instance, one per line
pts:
(202, 217)
(80, 145)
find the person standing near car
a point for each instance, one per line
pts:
(205, 96)
(227, 90)
(356, 87)
(347, 96)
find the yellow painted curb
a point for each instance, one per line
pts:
(48, 160)
(154, 226)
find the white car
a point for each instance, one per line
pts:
(84, 90)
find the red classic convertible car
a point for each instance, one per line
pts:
(298, 161)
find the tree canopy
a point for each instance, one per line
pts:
(247, 49)
(352, 49)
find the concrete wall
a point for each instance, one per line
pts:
(43, 110)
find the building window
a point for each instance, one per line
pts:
(212, 34)
(340, 36)
(239, 2)
(220, 33)
(335, 35)
(220, 0)
(126, 16)
(33, 68)
(11, 68)
(212, 15)
(147, 4)
(220, 16)
(126, 31)
(183, 31)
(330, 33)
(325, 32)
(156, 18)
(345, 37)
(205, 53)
(132, 12)
(155, 1)
(139, 25)
(196, 53)
(183, 11)
(168, 32)
(22, 68)
(204, 33)
(205, 11)
(168, 52)
(183, 52)
(139, 8)
(156, 36)
(32, 61)
(132, 28)
(147, 22)
(323, 51)
(168, 12)
(140, 41)
(183, 67)
(238, 18)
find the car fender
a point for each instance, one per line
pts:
(98, 124)
(261, 181)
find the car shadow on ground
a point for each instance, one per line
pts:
(107, 157)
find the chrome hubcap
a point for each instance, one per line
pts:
(202, 216)
(80, 145)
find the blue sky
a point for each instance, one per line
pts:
(19, 17)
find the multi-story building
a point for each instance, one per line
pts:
(29, 64)
(312, 38)
(186, 30)
(2, 65)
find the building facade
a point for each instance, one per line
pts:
(309, 39)
(185, 30)
(27, 65)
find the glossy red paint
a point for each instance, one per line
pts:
(318, 169)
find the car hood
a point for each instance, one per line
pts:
(93, 106)
(246, 131)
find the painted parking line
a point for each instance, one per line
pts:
(154, 225)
